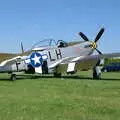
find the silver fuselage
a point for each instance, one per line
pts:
(53, 54)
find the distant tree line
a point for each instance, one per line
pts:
(108, 60)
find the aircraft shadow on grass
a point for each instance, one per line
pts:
(65, 77)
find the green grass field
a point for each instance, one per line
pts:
(67, 98)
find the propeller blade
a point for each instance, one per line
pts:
(98, 51)
(99, 35)
(83, 36)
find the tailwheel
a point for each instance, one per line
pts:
(13, 77)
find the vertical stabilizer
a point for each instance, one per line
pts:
(22, 49)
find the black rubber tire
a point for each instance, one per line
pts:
(13, 77)
(57, 75)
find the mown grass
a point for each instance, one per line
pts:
(66, 98)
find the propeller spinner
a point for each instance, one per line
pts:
(93, 43)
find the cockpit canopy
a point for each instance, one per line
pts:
(47, 43)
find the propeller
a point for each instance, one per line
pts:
(99, 35)
(98, 51)
(93, 44)
(83, 36)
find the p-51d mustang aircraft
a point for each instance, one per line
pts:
(57, 59)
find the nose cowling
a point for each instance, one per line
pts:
(93, 44)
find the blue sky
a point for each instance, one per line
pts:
(32, 20)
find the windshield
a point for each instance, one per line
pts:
(45, 43)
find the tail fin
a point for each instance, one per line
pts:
(22, 49)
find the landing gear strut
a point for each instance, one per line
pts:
(13, 77)
(97, 71)
(57, 74)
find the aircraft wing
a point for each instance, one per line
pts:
(64, 60)
(85, 63)
(12, 60)
(82, 62)
(96, 57)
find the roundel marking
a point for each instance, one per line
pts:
(36, 59)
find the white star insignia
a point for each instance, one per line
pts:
(36, 59)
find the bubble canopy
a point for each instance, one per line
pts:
(47, 43)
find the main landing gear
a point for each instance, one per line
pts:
(58, 75)
(97, 71)
(13, 77)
